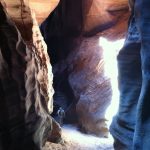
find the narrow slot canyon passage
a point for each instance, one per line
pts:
(74, 138)
(58, 61)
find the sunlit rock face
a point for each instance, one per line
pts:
(25, 73)
(41, 8)
(91, 86)
(72, 33)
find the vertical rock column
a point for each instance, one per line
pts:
(91, 87)
(39, 78)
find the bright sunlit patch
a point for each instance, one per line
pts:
(110, 52)
(83, 141)
(111, 49)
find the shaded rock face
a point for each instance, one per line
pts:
(72, 33)
(25, 81)
(59, 37)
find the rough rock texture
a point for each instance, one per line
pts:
(91, 86)
(25, 73)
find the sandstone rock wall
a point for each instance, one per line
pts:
(27, 68)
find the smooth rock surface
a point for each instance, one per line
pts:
(92, 88)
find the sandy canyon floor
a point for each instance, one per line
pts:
(75, 140)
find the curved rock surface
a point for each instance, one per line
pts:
(24, 58)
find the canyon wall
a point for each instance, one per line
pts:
(26, 76)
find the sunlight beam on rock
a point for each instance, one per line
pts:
(110, 52)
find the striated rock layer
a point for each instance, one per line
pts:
(26, 74)
(91, 86)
